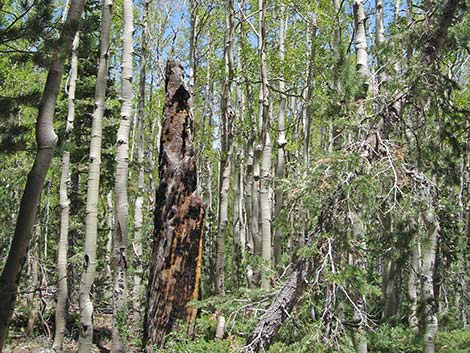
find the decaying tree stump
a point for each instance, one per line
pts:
(175, 271)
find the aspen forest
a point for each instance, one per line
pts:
(197, 176)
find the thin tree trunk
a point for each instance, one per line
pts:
(362, 65)
(265, 176)
(286, 298)
(237, 221)
(151, 144)
(33, 275)
(380, 38)
(109, 240)
(194, 20)
(414, 270)
(334, 131)
(281, 140)
(358, 261)
(91, 221)
(255, 212)
(138, 215)
(120, 240)
(175, 270)
(46, 142)
(61, 306)
(429, 254)
(359, 257)
(228, 116)
(239, 231)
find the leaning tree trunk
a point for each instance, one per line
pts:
(175, 270)
(91, 221)
(121, 227)
(280, 308)
(298, 280)
(46, 142)
(61, 307)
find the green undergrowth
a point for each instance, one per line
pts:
(300, 337)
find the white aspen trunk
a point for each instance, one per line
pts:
(255, 209)
(61, 306)
(249, 196)
(281, 140)
(138, 215)
(429, 254)
(334, 140)
(238, 213)
(415, 270)
(360, 43)
(228, 115)
(265, 177)
(46, 142)
(464, 202)
(151, 146)
(194, 21)
(307, 119)
(239, 231)
(120, 235)
(236, 218)
(109, 240)
(380, 38)
(91, 221)
(220, 328)
(359, 257)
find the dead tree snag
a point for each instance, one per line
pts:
(175, 270)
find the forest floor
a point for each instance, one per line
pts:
(42, 343)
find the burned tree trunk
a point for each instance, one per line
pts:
(175, 271)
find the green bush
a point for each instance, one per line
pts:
(397, 339)
(456, 341)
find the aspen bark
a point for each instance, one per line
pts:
(91, 220)
(46, 142)
(413, 280)
(109, 240)
(61, 306)
(139, 202)
(380, 37)
(255, 213)
(429, 254)
(228, 116)
(281, 140)
(358, 257)
(237, 221)
(265, 176)
(239, 224)
(360, 43)
(175, 270)
(194, 22)
(334, 131)
(121, 228)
